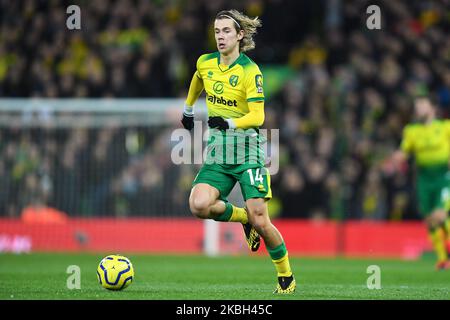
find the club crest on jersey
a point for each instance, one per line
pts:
(218, 87)
(259, 83)
(234, 80)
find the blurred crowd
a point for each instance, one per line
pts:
(340, 115)
(84, 172)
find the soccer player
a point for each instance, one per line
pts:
(235, 100)
(428, 139)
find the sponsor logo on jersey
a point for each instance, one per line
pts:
(234, 80)
(221, 100)
(210, 74)
(259, 83)
(218, 87)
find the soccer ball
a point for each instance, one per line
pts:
(115, 272)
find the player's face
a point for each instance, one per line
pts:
(423, 109)
(227, 38)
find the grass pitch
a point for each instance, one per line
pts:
(43, 276)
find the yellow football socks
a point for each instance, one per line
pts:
(447, 228)
(283, 267)
(239, 215)
(233, 214)
(280, 259)
(437, 237)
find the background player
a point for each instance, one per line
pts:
(235, 100)
(428, 139)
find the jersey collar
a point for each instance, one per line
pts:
(231, 65)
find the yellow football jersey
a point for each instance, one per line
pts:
(229, 88)
(430, 143)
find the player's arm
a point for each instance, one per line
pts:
(399, 157)
(195, 89)
(255, 101)
(254, 118)
(406, 147)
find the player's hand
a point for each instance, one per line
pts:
(399, 157)
(218, 122)
(188, 121)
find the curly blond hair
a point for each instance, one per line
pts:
(245, 23)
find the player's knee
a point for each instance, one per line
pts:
(430, 222)
(258, 219)
(433, 223)
(261, 226)
(437, 217)
(199, 207)
(257, 212)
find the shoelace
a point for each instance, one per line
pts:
(253, 236)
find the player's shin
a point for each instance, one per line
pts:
(446, 227)
(437, 237)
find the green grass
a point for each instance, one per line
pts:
(43, 276)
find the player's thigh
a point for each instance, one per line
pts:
(445, 193)
(216, 178)
(440, 201)
(425, 199)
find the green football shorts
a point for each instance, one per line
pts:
(433, 189)
(253, 179)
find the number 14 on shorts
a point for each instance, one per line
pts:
(257, 177)
(259, 181)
